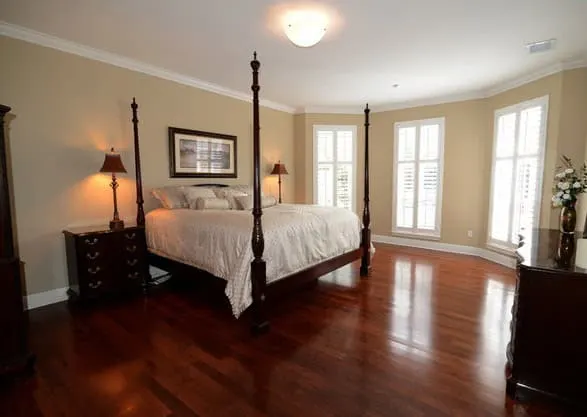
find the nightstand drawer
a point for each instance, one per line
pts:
(106, 262)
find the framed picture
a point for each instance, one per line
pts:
(197, 154)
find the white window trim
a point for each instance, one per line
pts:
(352, 128)
(413, 232)
(540, 101)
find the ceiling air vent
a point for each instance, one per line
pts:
(541, 46)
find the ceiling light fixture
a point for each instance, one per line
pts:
(305, 28)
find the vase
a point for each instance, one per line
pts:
(565, 250)
(568, 219)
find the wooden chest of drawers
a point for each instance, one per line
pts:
(103, 262)
(546, 355)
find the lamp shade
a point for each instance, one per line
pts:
(112, 163)
(279, 169)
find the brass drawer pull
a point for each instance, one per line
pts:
(92, 257)
(91, 242)
(130, 236)
(134, 275)
(94, 285)
(94, 271)
(132, 248)
(131, 262)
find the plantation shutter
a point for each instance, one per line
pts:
(335, 166)
(418, 176)
(517, 171)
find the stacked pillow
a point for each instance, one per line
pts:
(235, 197)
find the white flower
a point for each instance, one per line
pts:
(577, 185)
(556, 201)
(567, 196)
(564, 185)
(559, 194)
(569, 171)
(560, 175)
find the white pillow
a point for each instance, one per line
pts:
(210, 204)
(170, 197)
(246, 202)
(193, 193)
(247, 189)
(227, 193)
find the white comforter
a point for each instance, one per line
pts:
(219, 241)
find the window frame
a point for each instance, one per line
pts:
(542, 101)
(354, 162)
(414, 231)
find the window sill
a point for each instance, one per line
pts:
(421, 236)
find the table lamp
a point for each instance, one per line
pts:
(279, 169)
(113, 164)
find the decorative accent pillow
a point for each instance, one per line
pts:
(268, 201)
(243, 188)
(246, 202)
(210, 204)
(170, 197)
(193, 193)
(230, 195)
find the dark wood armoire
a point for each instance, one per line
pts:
(14, 353)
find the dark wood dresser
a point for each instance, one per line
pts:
(14, 354)
(103, 262)
(547, 354)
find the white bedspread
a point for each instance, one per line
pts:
(219, 241)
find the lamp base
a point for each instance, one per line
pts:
(116, 225)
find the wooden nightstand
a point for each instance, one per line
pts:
(103, 262)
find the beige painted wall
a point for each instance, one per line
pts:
(68, 110)
(573, 128)
(464, 164)
(468, 152)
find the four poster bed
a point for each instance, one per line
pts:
(304, 242)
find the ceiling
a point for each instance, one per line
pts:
(431, 48)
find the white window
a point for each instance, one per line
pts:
(518, 158)
(417, 170)
(335, 166)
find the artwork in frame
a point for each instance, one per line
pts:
(197, 154)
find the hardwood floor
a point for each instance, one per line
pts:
(424, 336)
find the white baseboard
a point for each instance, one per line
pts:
(45, 298)
(487, 254)
(41, 299)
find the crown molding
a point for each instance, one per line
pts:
(577, 62)
(39, 38)
(452, 98)
(523, 79)
(555, 68)
(49, 41)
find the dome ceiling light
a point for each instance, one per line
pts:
(305, 28)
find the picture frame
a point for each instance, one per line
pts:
(199, 154)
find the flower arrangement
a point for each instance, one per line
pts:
(569, 183)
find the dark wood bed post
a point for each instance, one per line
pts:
(139, 180)
(366, 233)
(258, 266)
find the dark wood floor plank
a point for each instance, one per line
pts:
(425, 335)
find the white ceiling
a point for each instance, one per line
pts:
(432, 48)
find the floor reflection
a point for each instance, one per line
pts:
(424, 335)
(411, 308)
(495, 320)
